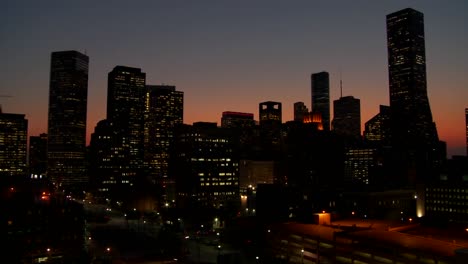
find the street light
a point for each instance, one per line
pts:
(302, 255)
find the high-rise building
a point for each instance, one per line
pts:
(38, 154)
(66, 143)
(377, 129)
(270, 120)
(164, 110)
(466, 131)
(237, 120)
(414, 135)
(409, 103)
(13, 141)
(125, 113)
(320, 86)
(347, 116)
(206, 167)
(300, 111)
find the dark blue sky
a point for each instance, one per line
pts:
(232, 55)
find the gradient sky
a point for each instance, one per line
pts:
(232, 55)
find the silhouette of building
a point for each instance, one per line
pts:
(270, 117)
(300, 110)
(320, 85)
(205, 164)
(164, 110)
(125, 116)
(347, 116)
(66, 143)
(13, 144)
(466, 131)
(359, 162)
(414, 134)
(237, 120)
(38, 154)
(377, 129)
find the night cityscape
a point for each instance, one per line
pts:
(308, 177)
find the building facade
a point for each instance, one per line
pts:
(347, 116)
(38, 154)
(164, 110)
(13, 144)
(320, 86)
(300, 111)
(66, 143)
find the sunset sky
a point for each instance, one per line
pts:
(232, 55)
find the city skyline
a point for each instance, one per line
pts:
(229, 66)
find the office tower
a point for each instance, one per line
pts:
(13, 141)
(237, 120)
(300, 110)
(66, 143)
(38, 155)
(164, 110)
(411, 113)
(270, 115)
(377, 129)
(125, 113)
(320, 84)
(347, 116)
(205, 164)
(358, 165)
(414, 135)
(466, 131)
(105, 157)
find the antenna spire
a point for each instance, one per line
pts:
(341, 86)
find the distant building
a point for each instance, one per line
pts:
(377, 129)
(446, 199)
(237, 120)
(270, 117)
(66, 143)
(300, 110)
(38, 154)
(125, 112)
(347, 116)
(359, 163)
(205, 164)
(13, 144)
(415, 140)
(466, 131)
(164, 110)
(320, 86)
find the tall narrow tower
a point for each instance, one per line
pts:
(414, 136)
(320, 86)
(409, 103)
(68, 95)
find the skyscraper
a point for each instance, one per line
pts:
(466, 131)
(13, 140)
(414, 136)
(66, 145)
(38, 154)
(377, 129)
(320, 86)
(237, 120)
(347, 116)
(300, 111)
(270, 115)
(164, 110)
(125, 113)
(411, 113)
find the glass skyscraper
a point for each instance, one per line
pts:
(320, 86)
(409, 103)
(66, 145)
(416, 149)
